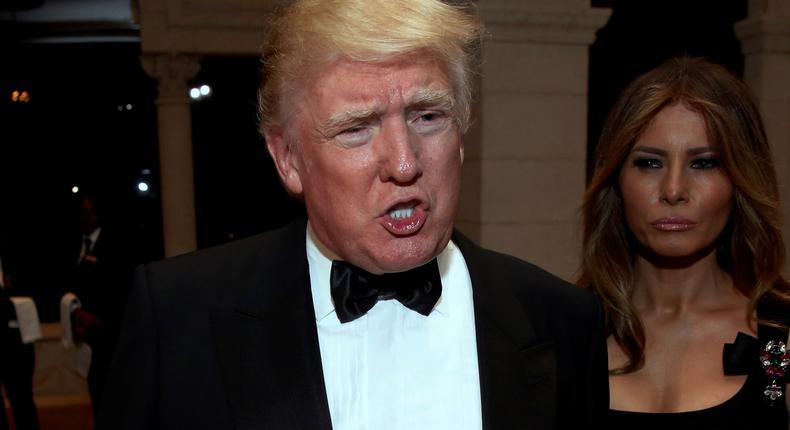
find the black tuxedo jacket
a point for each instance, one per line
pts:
(226, 338)
(102, 281)
(104, 276)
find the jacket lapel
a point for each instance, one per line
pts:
(267, 343)
(517, 370)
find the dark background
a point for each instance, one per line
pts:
(641, 34)
(76, 130)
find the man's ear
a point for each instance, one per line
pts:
(286, 159)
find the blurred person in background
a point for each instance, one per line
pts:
(17, 358)
(103, 261)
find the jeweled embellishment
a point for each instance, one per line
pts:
(775, 359)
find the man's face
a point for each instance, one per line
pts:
(89, 216)
(376, 151)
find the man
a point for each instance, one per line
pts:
(102, 269)
(374, 314)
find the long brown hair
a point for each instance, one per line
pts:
(750, 248)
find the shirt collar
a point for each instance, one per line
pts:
(94, 236)
(319, 260)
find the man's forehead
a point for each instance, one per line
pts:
(365, 83)
(398, 97)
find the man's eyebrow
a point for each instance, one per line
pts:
(427, 97)
(342, 119)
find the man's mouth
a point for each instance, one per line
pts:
(404, 219)
(398, 214)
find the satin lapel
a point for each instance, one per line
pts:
(268, 345)
(517, 370)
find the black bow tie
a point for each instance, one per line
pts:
(355, 291)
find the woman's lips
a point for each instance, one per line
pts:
(404, 219)
(673, 224)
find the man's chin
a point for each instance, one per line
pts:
(404, 258)
(401, 265)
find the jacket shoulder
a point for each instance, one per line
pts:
(229, 265)
(532, 285)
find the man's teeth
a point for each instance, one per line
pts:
(401, 213)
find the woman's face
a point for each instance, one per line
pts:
(676, 196)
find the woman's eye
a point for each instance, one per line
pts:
(705, 163)
(647, 163)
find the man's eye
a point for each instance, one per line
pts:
(430, 121)
(705, 163)
(354, 136)
(428, 117)
(647, 163)
(353, 130)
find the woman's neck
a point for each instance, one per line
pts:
(670, 288)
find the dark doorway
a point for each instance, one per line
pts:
(238, 192)
(642, 34)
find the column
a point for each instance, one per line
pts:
(525, 167)
(175, 148)
(765, 42)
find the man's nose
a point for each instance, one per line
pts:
(400, 157)
(674, 186)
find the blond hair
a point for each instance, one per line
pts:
(750, 248)
(310, 34)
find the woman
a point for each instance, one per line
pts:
(682, 242)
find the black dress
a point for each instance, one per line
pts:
(751, 407)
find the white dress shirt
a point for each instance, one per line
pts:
(94, 236)
(394, 369)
